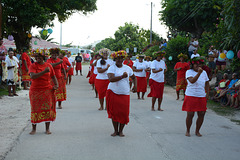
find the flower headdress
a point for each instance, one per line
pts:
(120, 53)
(42, 52)
(104, 50)
(148, 57)
(54, 51)
(182, 55)
(197, 60)
(141, 55)
(159, 53)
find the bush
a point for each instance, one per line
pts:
(151, 50)
(174, 47)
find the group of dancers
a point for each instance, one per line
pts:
(114, 79)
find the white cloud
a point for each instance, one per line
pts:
(83, 30)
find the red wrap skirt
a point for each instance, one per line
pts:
(61, 92)
(70, 72)
(156, 89)
(118, 107)
(92, 78)
(43, 105)
(181, 84)
(194, 104)
(25, 76)
(101, 86)
(78, 66)
(147, 75)
(141, 84)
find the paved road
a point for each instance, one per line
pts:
(81, 132)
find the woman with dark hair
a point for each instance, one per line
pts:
(58, 68)
(140, 68)
(12, 73)
(181, 68)
(101, 81)
(93, 76)
(196, 95)
(156, 81)
(42, 93)
(118, 93)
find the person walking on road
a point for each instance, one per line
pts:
(118, 93)
(70, 72)
(196, 95)
(42, 93)
(78, 60)
(140, 68)
(156, 81)
(58, 68)
(181, 68)
(101, 81)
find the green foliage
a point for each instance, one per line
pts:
(128, 36)
(205, 43)
(19, 16)
(194, 16)
(152, 50)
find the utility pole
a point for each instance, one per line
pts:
(60, 35)
(151, 26)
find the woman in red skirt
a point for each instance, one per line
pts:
(42, 93)
(101, 81)
(118, 93)
(181, 68)
(140, 68)
(58, 67)
(94, 73)
(196, 95)
(156, 81)
(149, 62)
(26, 63)
(70, 72)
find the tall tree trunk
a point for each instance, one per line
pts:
(22, 41)
(1, 18)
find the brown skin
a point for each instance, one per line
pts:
(70, 76)
(154, 98)
(225, 76)
(39, 60)
(178, 69)
(200, 114)
(140, 70)
(25, 83)
(12, 86)
(100, 70)
(118, 127)
(55, 56)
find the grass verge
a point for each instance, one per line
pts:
(220, 110)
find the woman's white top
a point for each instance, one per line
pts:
(120, 87)
(140, 65)
(159, 76)
(148, 63)
(195, 55)
(95, 68)
(99, 65)
(196, 89)
(71, 60)
(11, 62)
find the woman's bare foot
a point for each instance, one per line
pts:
(153, 109)
(159, 109)
(139, 98)
(143, 98)
(59, 107)
(177, 98)
(114, 134)
(10, 95)
(32, 132)
(187, 134)
(121, 134)
(198, 134)
(48, 132)
(100, 109)
(15, 94)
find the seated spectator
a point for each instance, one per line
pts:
(195, 54)
(221, 86)
(229, 91)
(211, 60)
(236, 96)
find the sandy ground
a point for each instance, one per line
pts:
(14, 117)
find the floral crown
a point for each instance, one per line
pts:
(104, 50)
(120, 53)
(148, 57)
(141, 55)
(42, 52)
(54, 51)
(182, 55)
(159, 53)
(197, 60)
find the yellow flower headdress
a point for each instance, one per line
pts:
(159, 53)
(182, 55)
(148, 57)
(121, 53)
(104, 50)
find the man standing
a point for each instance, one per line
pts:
(78, 60)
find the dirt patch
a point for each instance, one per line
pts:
(14, 117)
